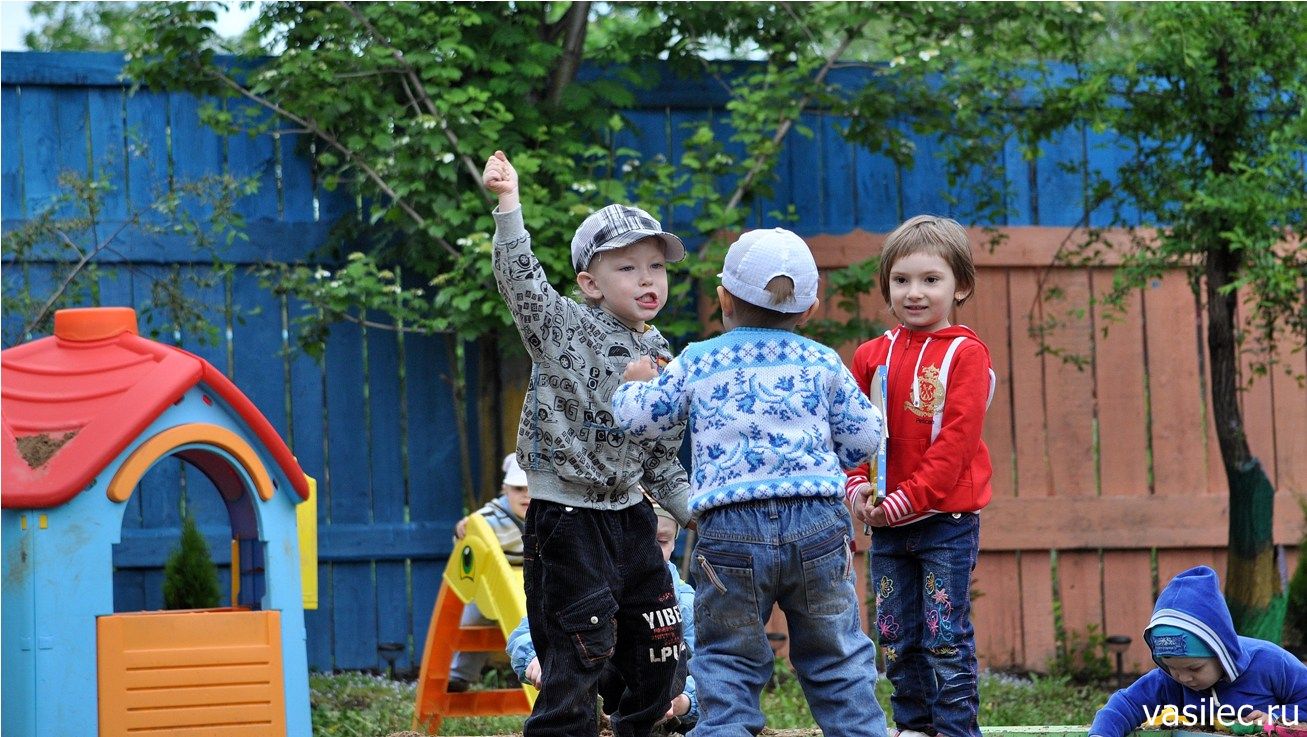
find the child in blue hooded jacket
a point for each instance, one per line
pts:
(1207, 672)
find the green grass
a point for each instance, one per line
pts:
(361, 705)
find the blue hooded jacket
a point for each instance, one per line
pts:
(1257, 674)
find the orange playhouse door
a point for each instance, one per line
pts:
(191, 673)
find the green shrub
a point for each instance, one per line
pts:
(190, 580)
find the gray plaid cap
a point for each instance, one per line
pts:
(616, 226)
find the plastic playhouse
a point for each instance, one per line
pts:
(477, 572)
(86, 413)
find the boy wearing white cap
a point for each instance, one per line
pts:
(506, 515)
(775, 419)
(597, 589)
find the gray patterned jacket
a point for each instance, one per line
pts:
(566, 442)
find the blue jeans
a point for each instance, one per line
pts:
(794, 553)
(921, 574)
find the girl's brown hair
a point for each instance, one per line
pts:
(937, 236)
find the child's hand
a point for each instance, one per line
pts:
(641, 369)
(679, 708)
(876, 516)
(501, 178)
(460, 529)
(860, 497)
(532, 672)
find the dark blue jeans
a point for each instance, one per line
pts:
(921, 574)
(598, 592)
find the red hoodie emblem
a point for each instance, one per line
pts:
(929, 394)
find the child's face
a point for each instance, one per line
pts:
(518, 498)
(667, 529)
(922, 290)
(629, 282)
(1197, 674)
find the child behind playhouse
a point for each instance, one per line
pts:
(506, 515)
(683, 712)
(939, 383)
(1206, 670)
(596, 585)
(774, 418)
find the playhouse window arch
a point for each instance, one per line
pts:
(238, 476)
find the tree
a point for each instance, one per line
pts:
(189, 579)
(1210, 100)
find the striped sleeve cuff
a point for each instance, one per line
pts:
(897, 506)
(851, 485)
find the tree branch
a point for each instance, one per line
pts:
(311, 126)
(575, 23)
(72, 273)
(468, 164)
(760, 161)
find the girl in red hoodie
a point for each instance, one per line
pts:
(939, 384)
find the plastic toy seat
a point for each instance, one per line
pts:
(478, 573)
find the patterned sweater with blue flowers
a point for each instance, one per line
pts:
(771, 414)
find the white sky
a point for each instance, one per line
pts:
(14, 22)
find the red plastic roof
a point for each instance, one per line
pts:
(97, 378)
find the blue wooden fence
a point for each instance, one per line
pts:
(374, 421)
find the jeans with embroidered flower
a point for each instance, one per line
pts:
(921, 575)
(793, 553)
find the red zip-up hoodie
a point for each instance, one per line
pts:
(938, 387)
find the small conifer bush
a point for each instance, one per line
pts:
(190, 580)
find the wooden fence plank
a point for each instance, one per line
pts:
(1039, 641)
(1290, 420)
(1033, 472)
(1257, 401)
(986, 313)
(1069, 386)
(147, 140)
(1123, 433)
(838, 183)
(1060, 192)
(996, 608)
(253, 156)
(1116, 522)
(1174, 389)
(41, 146)
(354, 626)
(876, 193)
(307, 441)
(1080, 592)
(920, 188)
(386, 443)
(1128, 603)
(13, 200)
(109, 149)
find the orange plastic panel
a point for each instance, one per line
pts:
(191, 673)
(130, 473)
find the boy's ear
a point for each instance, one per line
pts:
(808, 313)
(727, 301)
(589, 287)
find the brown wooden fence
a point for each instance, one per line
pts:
(1107, 478)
